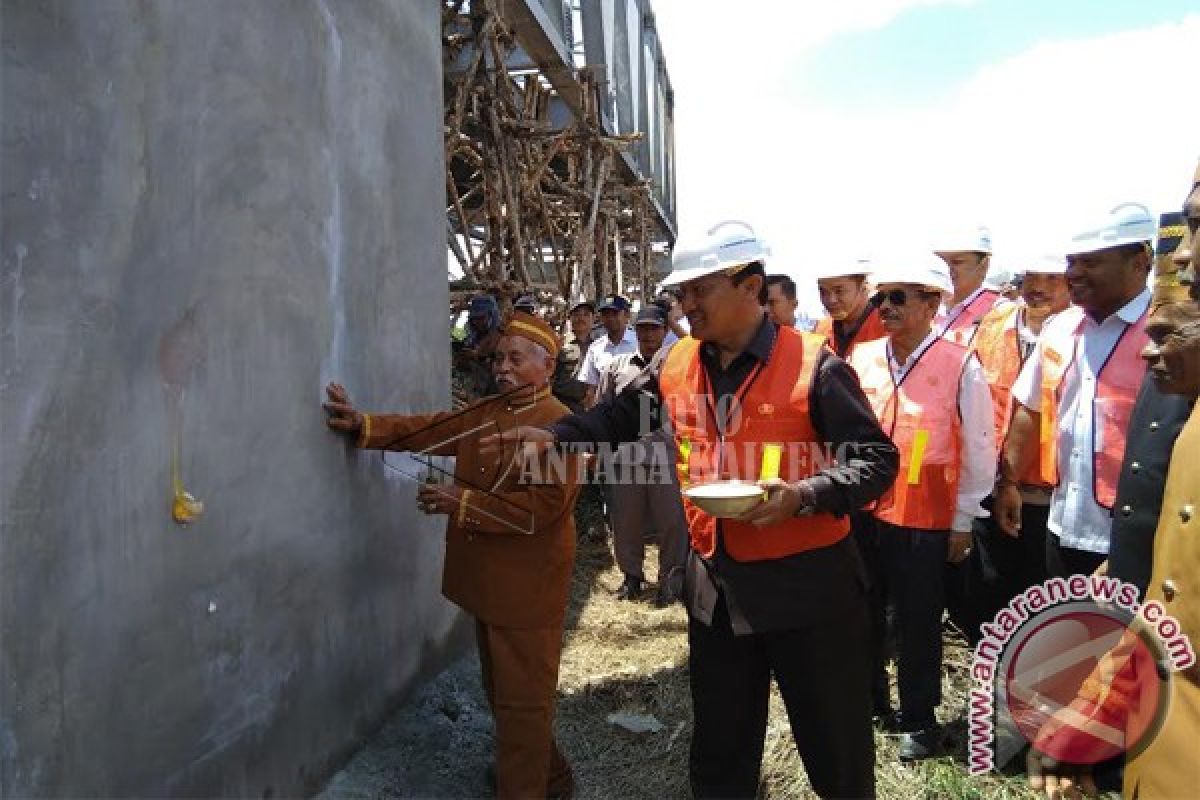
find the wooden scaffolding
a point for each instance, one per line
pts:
(532, 205)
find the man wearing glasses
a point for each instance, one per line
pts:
(931, 396)
(778, 592)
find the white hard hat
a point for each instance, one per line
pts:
(845, 269)
(1044, 265)
(973, 239)
(724, 245)
(921, 268)
(1128, 223)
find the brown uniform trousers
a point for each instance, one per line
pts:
(1169, 766)
(509, 554)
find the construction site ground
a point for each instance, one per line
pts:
(621, 657)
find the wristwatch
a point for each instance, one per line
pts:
(808, 500)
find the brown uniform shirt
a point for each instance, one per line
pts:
(511, 547)
(1168, 767)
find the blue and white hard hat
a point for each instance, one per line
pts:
(723, 247)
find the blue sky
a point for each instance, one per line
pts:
(859, 128)
(926, 52)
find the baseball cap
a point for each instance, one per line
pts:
(615, 302)
(651, 315)
(483, 304)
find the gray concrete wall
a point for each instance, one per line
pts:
(209, 209)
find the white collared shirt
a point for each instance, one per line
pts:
(1076, 518)
(977, 451)
(946, 316)
(804, 321)
(601, 353)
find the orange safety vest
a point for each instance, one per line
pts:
(964, 323)
(997, 343)
(773, 407)
(870, 330)
(921, 416)
(1117, 388)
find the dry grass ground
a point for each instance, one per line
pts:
(623, 656)
(619, 656)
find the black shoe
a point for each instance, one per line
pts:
(489, 778)
(920, 745)
(630, 589)
(886, 720)
(561, 787)
(665, 598)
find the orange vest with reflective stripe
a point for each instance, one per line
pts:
(964, 324)
(872, 329)
(773, 407)
(997, 343)
(1117, 388)
(921, 416)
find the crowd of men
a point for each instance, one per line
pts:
(983, 445)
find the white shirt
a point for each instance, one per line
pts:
(1075, 517)
(600, 354)
(1026, 336)
(977, 451)
(804, 321)
(946, 316)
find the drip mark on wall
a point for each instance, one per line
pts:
(180, 351)
(18, 292)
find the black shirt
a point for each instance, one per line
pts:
(843, 334)
(1154, 426)
(788, 592)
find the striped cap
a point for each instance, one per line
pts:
(1170, 283)
(527, 326)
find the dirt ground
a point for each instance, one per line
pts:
(619, 657)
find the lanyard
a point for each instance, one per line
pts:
(710, 399)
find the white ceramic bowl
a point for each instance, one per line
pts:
(725, 498)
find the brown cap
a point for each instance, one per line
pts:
(536, 330)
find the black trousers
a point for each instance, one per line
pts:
(1062, 562)
(998, 569)
(822, 672)
(866, 536)
(913, 562)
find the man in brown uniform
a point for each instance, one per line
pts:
(510, 546)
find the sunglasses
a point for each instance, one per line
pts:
(897, 297)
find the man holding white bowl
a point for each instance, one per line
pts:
(778, 590)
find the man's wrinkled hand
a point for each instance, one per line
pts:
(435, 498)
(343, 416)
(1007, 509)
(783, 502)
